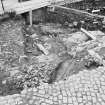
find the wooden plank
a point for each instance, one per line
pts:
(62, 2)
(41, 47)
(88, 34)
(75, 11)
(30, 14)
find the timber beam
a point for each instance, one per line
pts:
(65, 10)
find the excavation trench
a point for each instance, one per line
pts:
(49, 51)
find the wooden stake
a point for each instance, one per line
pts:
(30, 16)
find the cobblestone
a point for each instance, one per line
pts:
(84, 88)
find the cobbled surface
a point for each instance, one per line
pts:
(84, 88)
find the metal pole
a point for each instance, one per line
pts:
(30, 17)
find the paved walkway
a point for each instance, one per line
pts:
(84, 88)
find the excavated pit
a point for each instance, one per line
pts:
(63, 52)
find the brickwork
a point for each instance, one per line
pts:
(84, 88)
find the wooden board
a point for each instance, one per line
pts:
(75, 11)
(92, 36)
(62, 2)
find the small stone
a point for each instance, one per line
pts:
(51, 97)
(79, 100)
(20, 102)
(74, 99)
(70, 100)
(48, 101)
(99, 99)
(30, 90)
(103, 97)
(84, 98)
(34, 97)
(68, 93)
(75, 103)
(55, 103)
(88, 93)
(24, 91)
(73, 94)
(35, 90)
(41, 92)
(55, 99)
(43, 104)
(46, 95)
(64, 99)
(72, 89)
(93, 94)
(94, 100)
(64, 93)
(10, 101)
(89, 98)
(60, 97)
(60, 102)
(80, 89)
(31, 101)
(79, 94)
